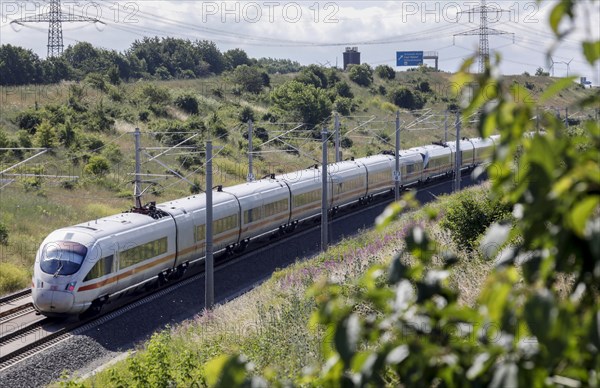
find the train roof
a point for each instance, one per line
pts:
(108, 226)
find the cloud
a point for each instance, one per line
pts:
(312, 32)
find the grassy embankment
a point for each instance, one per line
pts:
(271, 324)
(30, 208)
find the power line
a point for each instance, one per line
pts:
(55, 17)
(483, 31)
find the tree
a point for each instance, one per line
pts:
(236, 57)
(45, 136)
(361, 74)
(249, 78)
(541, 73)
(407, 99)
(19, 66)
(302, 102)
(385, 72)
(210, 54)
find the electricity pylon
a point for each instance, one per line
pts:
(55, 17)
(484, 31)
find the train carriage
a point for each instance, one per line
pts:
(437, 160)
(348, 182)
(305, 190)
(467, 153)
(264, 205)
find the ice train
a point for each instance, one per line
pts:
(81, 267)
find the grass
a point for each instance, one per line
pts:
(270, 325)
(32, 208)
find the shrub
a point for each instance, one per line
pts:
(246, 114)
(407, 99)
(187, 102)
(12, 278)
(346, 142)
(361, 74)
(97, 165)
(385, 72)
(29, 120)
(45, 136)
(344, 105)
(468, 216)
(343, 90)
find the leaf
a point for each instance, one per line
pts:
(494, 238)
(226, 371)
(557, 14)
(346, 337)
(581, 212)
(540, 313)
(555, 88)
(591, 50)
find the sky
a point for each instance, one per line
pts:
(318, 31)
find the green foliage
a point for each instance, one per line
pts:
(45, 136)
(154, 95)
(278, 66)
(407, 99)
(343, 90)
(97, 165)
(303, 102)
(344, 106)
(236, 57)
(346, 142)
(3, 234)
(361, 74)
(188, 103)
(29, 120)
(537, 316)
(250, 79)
(19, 66)
(468, 216)
(385, 72)
(246, 114)
(12, 278)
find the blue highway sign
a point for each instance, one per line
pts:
(409, 58)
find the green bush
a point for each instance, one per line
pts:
(468, 216)
(407, 99)
(187, 102)
(12, 278)
(385, 72)
(361, 74)
(97, 165)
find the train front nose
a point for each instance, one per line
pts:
(52, 301)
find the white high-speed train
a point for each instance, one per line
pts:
(80, 267)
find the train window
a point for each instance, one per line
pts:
(306, 198)
(200, 232)
(101, 268)
(252, 215)
(143, 252)
(225, 224)
(273, 208)
(62, 257)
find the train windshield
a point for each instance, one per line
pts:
(62, 257)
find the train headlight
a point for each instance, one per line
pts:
(71, 286)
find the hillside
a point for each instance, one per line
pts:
(88, 125)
